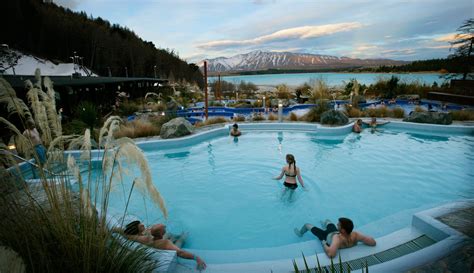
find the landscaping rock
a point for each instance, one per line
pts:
(334, 117)
(176, 127)
(430, 117)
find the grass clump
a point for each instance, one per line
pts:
(137, 128)
(314, 114)
(272, 117)
(238, 118)
(292, 117)
(398, 112)
(211, 121)
(258, 117)
(353, 112)
(462, 115)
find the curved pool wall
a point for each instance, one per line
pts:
(257, 260)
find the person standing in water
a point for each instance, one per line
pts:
(291, 172)
(33, 135)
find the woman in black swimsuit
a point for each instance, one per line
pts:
(290, 172)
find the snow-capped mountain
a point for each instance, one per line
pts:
(261, 60)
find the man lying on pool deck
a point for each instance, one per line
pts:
(333, 238)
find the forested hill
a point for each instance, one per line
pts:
(449, 65)
(55, 33)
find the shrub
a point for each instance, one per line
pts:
(293, 117)
(462, 115)
(398, 112)
(155, 107)
(87, 113)
(370, 112)
(128, 108)
(75, 127)
(419, 109)
(383, 112)
(314, 114)
(353, 112)
(137, 128)
(258, 117)
(238, 118)
(272, 117)
(211, 121)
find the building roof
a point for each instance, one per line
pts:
(18, 81)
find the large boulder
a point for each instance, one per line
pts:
(430, 117)
(334, 117)
(176, 127)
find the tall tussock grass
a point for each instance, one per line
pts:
(57, 226)
(292, 117)
(398, 112)
(272, 117)
(314, 114)
(353, 112)
(462, 115)
(238, 118)
(211, 121)
(137, 128)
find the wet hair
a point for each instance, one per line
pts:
(236, 126)
(346, 224)
(291, 160)
(132, 228)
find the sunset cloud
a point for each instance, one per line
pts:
(304, 32)
(451, 37)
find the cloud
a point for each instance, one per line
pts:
(408, 51)
(451, 37)
(292, 49)
(72, 4)
(304, 32)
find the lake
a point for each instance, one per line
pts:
(333, 79)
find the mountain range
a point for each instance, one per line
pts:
(261, 60)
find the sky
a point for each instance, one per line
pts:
(204, 29)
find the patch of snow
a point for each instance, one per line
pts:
(28, 64)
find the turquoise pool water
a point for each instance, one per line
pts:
(221, 190)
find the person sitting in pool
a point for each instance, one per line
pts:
(357, 127)
(333, 238)
(291, 172)
(235, 130)
(156, 237)
(373, 123)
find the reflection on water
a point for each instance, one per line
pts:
(211, 157)
(424, 138)
(180, 155)
(280, 140)
(327, 142)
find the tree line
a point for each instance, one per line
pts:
(55, 33)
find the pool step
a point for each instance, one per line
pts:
(384, 256)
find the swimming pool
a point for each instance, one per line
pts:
(221, 191)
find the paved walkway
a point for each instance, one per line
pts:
(462, 260)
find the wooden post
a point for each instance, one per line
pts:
(205, 90)
(219, 92)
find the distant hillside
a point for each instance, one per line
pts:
(55, 33)
(260, 60)
(448, 65)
